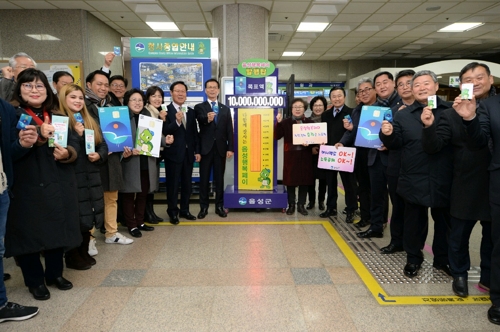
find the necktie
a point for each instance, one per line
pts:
(215, 108)
(335, 112)
(183, 117)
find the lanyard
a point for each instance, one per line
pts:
(35, 117)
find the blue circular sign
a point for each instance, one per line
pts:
(242, 201)
(139, 47)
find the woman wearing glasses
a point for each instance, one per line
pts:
(43, 215)
(297, 165)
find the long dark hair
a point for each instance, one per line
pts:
(27, 76)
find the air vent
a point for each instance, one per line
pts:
(275, 37)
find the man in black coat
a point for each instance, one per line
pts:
(469, 190)
(335, 127)
(425, 179)
(216, 140)
(481, 130)
(180, 156)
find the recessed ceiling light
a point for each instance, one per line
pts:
(461, 27)
(309, 26)
(163, 26)
(292, 53)
(43, 37)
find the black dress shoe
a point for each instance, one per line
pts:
(391, 249)
(494, 315)
(174, 220)
(291, 209)
(321, 206)
(302, 210)
(443, 267)
(135, 232)
(146, 228)
(328, 213)
(310, 206)
(362, 223)
(460, 287)
(6, 276)
(61, 283)
(187, 216)
(411, 270)
(221, 212)
(349, 218)
(203, 213)
(370, 233)
(40, 293)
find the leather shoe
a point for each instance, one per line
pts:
(411, 270)
(221, 212)
(6, 276)
(146, 228)
(135, 232)
(459, 287)
(187, 216)
(310, 206)
(443, 267)
(321, 206)
(362, 223)
(60, 283)
(391, 249)
(174, 220)
(203, 213)
(494, 315)
(302, 210)
(370, 233)
(40, 293)
(349, 218)
(328, 213)
(290, 210)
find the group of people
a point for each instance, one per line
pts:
(441, 157)
(53, 197)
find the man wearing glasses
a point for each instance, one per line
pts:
(17, 64)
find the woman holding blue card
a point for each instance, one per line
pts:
(42, 215)
(84, 132)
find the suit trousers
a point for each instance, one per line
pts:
(363, 179)
(134, 204)
(212, 161)
(379, 207)
(415, 233)
(495, 254)
(460, 231)
(176, 171)
(292, 197)
(398, 212)
(311, 191)
(32, 268)
(349, 183)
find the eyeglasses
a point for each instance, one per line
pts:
(118, 86)
(212, 87)
(364, 91)
(402, 85)
(319, 105)
(23, 67)
(298, 107)
(136, 100)
(29, 86)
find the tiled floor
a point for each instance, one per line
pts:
(245, 277)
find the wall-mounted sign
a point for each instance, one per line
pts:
(256, 68)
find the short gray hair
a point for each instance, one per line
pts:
(13, 62)
(423, 73)
(365, 80)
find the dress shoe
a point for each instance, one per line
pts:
(321, 206)
(135, 232)
(174, 220)
(291, 209)
(61, 283)
(187, 216)
(494, 314)
(203, 213)
(411, 270)
(370, 233)
(391, 249)
(362, 223)
(302, 210)
(459, 287)
(6, 276)
(443, 267)
(40, 293)
(328, 213)
(221, 212)
(146, 228)
(310, 206)
(349, 218)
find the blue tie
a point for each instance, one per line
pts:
(215, 108)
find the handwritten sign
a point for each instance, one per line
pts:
(336, 159)
(310, 133)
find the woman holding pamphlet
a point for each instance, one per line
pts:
(43, 214)
(297, 166)
(85, 132)
(140, 171)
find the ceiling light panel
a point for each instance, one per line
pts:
(461, 27)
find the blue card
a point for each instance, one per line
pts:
(78, 117)
(348, 118)
(115, 126)
(117, 50)
(370, 122)
(24, 121)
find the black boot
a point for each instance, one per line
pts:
(75, 261)
(291, 209)
(302, 210)
(150, 209)
(84, 249)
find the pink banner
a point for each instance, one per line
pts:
(336, 159)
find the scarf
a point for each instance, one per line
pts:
(315, 118)
(90, 95)
(387, 102)
(298, 119)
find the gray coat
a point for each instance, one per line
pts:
(7, 89)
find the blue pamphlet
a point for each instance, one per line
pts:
(115, 126)
(369, 126)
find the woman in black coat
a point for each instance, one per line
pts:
(43, 214)
(90, 192)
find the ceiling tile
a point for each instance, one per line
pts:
(142, 33)
(209, 6)
(383, 18)
(184, 6)
(283, 17)
(290, 7)
(362, 7)
(8, 5)
(122, 16)
(349, 18)
(72, 5)
(187, 17)
(34, 5)
(133, 25)
(108, 6)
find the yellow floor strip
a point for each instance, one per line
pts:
(371, 283)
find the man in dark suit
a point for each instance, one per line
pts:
(335, 127)
(216, 139)
(180, 156)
